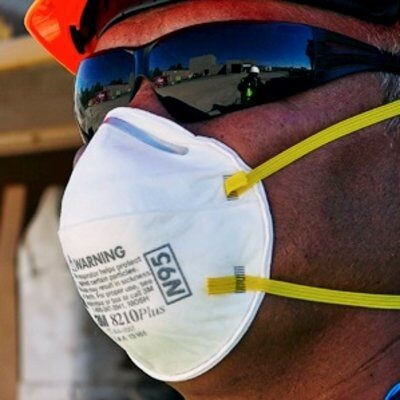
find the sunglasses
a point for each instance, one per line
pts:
(210, 70)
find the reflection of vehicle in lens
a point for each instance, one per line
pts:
(161, 81)
(101, 97)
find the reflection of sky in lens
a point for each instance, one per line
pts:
(111, 66)
(281, 45)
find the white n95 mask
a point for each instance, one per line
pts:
(152, 213)
(145, 221)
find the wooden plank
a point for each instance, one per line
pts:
(38, 97)
(22, 53)
(39, 140)
(13, 209)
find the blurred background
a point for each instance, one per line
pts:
(49, 347)
(12, 12)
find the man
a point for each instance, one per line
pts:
(335, 212)
(250, 87)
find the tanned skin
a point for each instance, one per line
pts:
(335, 215)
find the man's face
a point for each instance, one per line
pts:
(299, 194)
(263, 131)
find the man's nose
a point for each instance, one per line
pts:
(146, 99)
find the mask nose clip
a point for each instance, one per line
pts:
(146, 138)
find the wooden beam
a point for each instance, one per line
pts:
(21, 53)
(39, 140)
(37, 97)
(12, 216)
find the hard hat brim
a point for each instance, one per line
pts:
(50, 22)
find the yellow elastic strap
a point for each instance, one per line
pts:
(242, 181)
(244, 283)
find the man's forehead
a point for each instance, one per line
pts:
(145, 27)
(108, 13)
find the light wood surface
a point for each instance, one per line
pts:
(36, 101)
(12, 215)
(21, 53)
(39, 140)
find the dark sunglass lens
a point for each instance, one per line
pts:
(214, 69)
(103, 82)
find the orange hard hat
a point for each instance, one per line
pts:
(56, 24)
(50, 22)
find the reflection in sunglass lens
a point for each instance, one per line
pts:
(209, 70)
(215, 69)
(103, 83)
